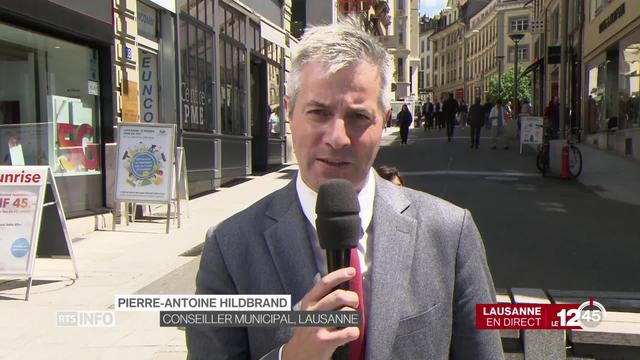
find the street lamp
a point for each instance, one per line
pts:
(516, 39)
(499, 58)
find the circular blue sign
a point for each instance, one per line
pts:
(142, 165)
(20, 247)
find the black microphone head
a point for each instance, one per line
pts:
(338, 215)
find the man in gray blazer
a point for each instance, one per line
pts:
(422, 259)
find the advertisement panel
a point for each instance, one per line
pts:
(145, 163)
(531, 130)
(21, 195)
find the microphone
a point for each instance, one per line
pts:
(339, 228)
(338, 222)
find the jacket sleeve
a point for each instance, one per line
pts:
(217, 342)
(473, 285)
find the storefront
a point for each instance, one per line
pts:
(231, 88)
(56, 104)
(611, 97)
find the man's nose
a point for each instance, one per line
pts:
(337, 135)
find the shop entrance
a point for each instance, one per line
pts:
(259, 114)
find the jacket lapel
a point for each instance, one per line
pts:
(289, 244)
(393, 244)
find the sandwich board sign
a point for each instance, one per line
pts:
(28, 196)
(144, 167)
(531, 130)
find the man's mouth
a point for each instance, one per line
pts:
(334, 162)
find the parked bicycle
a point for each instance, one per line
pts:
(575, 156)
(542, 159)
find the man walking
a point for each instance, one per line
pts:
(476, 121)
(449, 111)
(497, 125)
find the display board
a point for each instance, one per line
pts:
(32, 222)
(145, 165)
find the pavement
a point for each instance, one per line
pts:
(141, 258)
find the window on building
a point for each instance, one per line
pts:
(232, 71)
(596, 7)
(428, 65)
(523, 53)
(428, 45)
(422, 46)
(400, 70)
(519, 24)
(198, 80)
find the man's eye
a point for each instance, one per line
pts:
(363, 117)
(317, 112)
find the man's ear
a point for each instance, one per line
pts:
(287, 104)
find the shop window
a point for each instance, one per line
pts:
(629, 81)
(197, 75)
(596, 97)
(49, 103)
(232, 71)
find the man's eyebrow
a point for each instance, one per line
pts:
(317, 104)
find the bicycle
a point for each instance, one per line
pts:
(542, 159)
(575, 156)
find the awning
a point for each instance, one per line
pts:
(533, 66)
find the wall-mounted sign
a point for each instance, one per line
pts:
(128, 53)
(613, 17)
(147, 16)
(148, 87)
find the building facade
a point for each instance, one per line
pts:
(484, 61)
(56, 99)
(425, 76)
(447, 44)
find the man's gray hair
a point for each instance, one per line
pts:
(338, 46)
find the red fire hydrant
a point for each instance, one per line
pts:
(565, 174)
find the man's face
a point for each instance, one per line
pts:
(336, 123)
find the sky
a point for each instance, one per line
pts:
(431, 7)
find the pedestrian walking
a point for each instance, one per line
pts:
(464, 115)
(476, 121)
(497, 117)
(449, 111)
(438, 115)
(404, 121)
(427, 111)
(552, 117)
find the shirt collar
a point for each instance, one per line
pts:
(308, 199)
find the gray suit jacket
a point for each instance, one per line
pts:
(429, 270)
